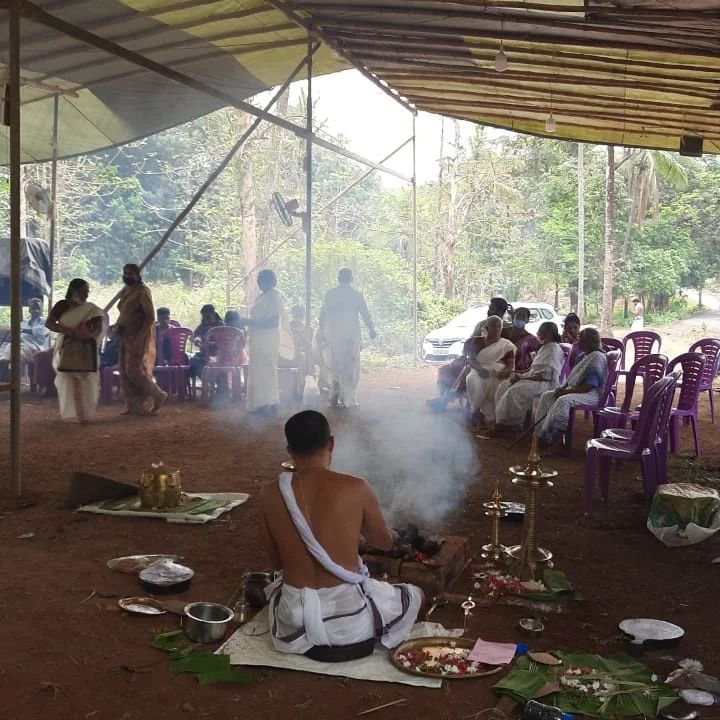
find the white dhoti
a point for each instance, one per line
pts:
(481, 390)
(344, 356)
(265, 346)
(303, 618)
(359, 609)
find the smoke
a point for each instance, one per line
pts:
(419, 464)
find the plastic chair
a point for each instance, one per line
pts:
(642, 343)
(174, 374)
(228, 362)
(567, 349)
(609, 344)
(526, 350)
(710, 348)
(651, 368)
(692, 365)
(606, 398)
(645, 445)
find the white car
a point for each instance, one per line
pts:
(446, 343)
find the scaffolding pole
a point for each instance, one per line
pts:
(307, 220)
(218, 170)
(53, 195)
(415, 236)
(15, 247)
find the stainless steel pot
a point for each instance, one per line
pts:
(206, 622)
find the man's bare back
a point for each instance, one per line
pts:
(339, 509)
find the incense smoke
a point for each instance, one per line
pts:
(419, 464)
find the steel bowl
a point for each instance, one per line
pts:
(206, 622)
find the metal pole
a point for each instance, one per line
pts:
(415, 237)
(53, 196)
(308, 188)
(581, 230)
(215, 173)
(15, 246)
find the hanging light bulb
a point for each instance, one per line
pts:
(550, 124)
(501, 60)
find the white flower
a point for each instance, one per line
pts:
(690, 664)
(654, 678)
(406, 663)
(596, 685)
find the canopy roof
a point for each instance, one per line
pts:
(627, 72)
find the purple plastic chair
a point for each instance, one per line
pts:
(642, 343)
(606, 398)
(692, 365)
(645, 444)
(173, 372)
(710, 348)
(651, 368)
(609, 344)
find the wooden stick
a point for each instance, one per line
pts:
(381, 707)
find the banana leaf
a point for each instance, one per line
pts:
(201, 663)
(224, 676)
(640, 694)
(559, 588)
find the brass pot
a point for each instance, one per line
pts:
(160, 487)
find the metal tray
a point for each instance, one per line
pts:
(141, 606)
(439, 642)
(512, 510)
(653, 632)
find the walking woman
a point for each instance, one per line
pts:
(80, 326)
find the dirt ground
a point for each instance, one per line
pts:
(69, 653)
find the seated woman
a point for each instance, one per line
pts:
(583, 387)
(515, 396)
(518, 336)
(451, 376)
(208, 319)
(571, 329)
(494, 362)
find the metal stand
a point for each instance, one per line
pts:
(494, 550)
(528, 555)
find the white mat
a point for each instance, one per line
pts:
(232, 500)
(246, 648)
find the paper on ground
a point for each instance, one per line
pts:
(493, 653)
(246, 649)
(232, 501)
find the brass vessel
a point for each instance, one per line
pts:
(160, 487)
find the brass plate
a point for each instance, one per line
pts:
(142, 605)
(439, 643)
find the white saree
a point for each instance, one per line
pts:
(265, 345)
(77, 391)
(512, 401)
(481, 390)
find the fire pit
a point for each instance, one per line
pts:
(414, 558)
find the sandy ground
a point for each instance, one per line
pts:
(68, 653)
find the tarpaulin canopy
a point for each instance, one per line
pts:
(632, 72)
(241, 47)
(626, 72)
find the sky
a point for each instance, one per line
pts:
(373, 124)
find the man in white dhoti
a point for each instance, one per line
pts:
(515, 396)
(340, 330)
(638, 322)
(326, 606)
(269, 338)
(583, 387)
(34, 338)
(492, 364)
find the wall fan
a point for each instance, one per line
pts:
(286, 210)
(37, 198)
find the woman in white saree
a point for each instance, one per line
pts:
(489, 367)
(76, 319)
(515, 396)
(269, 338)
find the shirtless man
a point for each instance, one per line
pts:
(313, 519)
